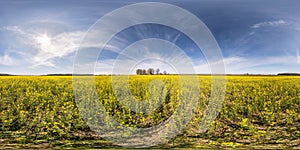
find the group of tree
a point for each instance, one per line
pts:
(149, 71)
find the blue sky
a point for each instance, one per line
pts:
(41, 37)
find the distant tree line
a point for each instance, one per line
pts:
(288, 74)
(2, 74)
(150, 71)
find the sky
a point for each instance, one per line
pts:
(257, 37)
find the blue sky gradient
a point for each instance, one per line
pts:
(41, 37)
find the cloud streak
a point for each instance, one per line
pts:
(269, 24)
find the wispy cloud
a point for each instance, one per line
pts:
(6, 60)
(229, 63)
(48, 47)
(298, 56)
(15, 29)
(236, 64)
(55, 47)
(144, 54)
(269, 23)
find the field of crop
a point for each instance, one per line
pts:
(258, 111)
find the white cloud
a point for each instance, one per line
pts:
(47, 47)
(233, 64)
(269, 23)
(6, 60)
(229, 64)
(112, 66)
(251, 63)
(144, 54)
(15, 29)
(298, 56)
(232, 60)
(242, 65)
(57, 46)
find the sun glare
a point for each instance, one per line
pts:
(43, 40)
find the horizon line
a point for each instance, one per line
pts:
(71, 74)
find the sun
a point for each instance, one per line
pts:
(43, 40)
